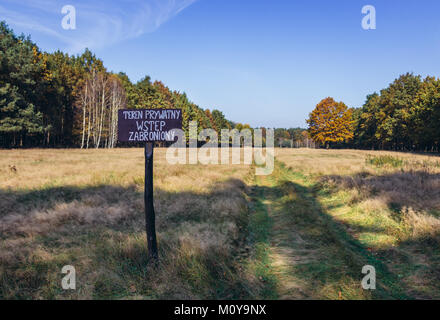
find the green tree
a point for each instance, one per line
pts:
(23, 79)
(396, 102)
(366, 121)
(426, 116)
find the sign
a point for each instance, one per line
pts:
(149, 125)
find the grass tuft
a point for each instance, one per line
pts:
(384, 161)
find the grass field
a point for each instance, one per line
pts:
(305, 232)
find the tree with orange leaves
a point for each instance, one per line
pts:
(331, 121)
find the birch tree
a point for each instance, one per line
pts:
(100, 99)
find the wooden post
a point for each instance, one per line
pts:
(150, 216)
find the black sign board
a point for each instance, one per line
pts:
(149, 125)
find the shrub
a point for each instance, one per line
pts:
(384, 161)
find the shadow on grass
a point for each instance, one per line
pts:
(100, 231)
(205, 241)
(411, 201)
(418, 189)
(336, 257)
(326, 260)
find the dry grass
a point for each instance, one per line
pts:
(85, 208)
(347, 162)
(388, 201)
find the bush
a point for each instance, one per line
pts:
(384, 161)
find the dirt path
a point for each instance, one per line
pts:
(310, 255)
(286, 247)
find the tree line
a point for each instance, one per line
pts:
(292, 138)
(404, 116)
(61, 100)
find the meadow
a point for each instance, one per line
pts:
(303, 232)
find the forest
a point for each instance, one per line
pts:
(403, 117)
(59, 100)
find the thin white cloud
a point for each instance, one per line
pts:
(99, 23)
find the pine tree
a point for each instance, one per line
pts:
(23, 79)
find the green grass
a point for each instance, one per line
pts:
(259, 236)
(328, 259)
(403, 263)
(385, 161)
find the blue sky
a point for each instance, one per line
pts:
(267, 63)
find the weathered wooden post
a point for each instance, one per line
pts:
(150, 215)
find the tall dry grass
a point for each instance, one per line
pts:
(389, 201)
(85, 208)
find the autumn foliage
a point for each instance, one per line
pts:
(61, 100)
(331, 121)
